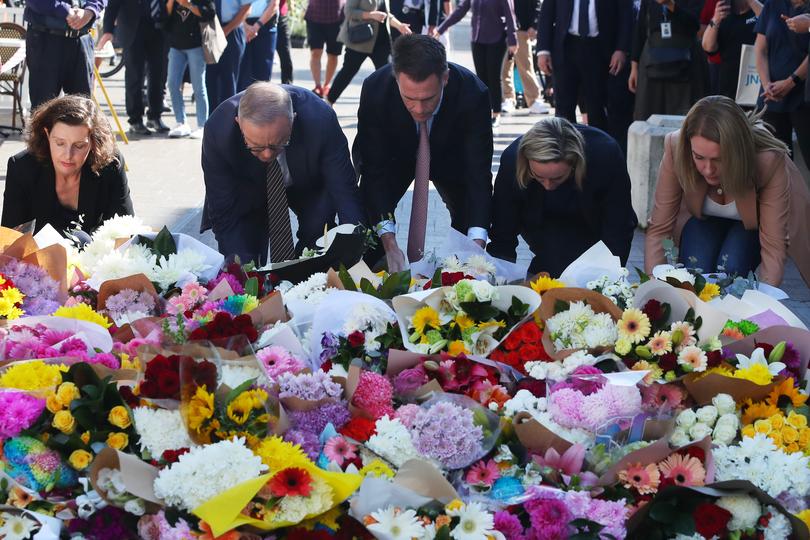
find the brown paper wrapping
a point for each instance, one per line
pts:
(703, 389)
(536, 437)
(656, 452)
(52, 259)
(423, 478)
(7, 238)
(270, 310)
(136, 282)
(598, 302)
(138, 476)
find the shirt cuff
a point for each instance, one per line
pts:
(477, 233)
(547, 53)
(387, 226)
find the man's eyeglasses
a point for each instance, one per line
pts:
(275, 148)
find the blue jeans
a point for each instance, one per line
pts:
(257, 63)
(194, 59)
(715, 242)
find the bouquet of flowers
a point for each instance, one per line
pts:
(619, 290)
(471, 317)
(589, 401)
(40, 292)
(11, 299)
(577, 319)
(455, 520)
(523, 345)
(718, 420)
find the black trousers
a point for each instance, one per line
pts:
(585, 73)
(145, 59)
(283, 50)
(352, 60)
(620, 104)
(784, 123)
(488, 59)
(57, 63)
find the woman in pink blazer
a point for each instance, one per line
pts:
(730, 196)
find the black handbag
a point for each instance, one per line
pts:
(670, 63)
(360, 33)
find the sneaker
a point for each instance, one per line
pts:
(496, 122)
(538, 107)
(197, 133)
(508, 106)
(180, 130)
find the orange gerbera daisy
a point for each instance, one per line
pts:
(643, 479)
(785, 393)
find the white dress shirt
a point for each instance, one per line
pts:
(593, 25)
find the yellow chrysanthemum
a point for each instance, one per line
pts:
(463, 321)
(710, 290)
(457, 348)
(13, 295)
(377, 468)
(424, 318)
(279, 454)
(545, 283)
(756, 373)
(83, 312)
(634, 325)
(34, 375)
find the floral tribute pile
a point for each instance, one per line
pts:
(149, 390)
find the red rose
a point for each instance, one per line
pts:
(512, 342)
(711, 520)
(512, 359)
(498, 355)
(171, 456)
(129, 398)
(529, 353)
(198, 334)
(169, 385)
(535, 386)
(653, 310)
(451, 278)
(149, 388)
(157, 365)
(358, 428)
(356, 338)
(531, 332)
(668, 362)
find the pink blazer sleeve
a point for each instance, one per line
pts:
(668, 196)
(773, 202)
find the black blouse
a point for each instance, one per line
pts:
(31, 195)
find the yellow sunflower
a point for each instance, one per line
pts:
(200, 408)
(425, 318)
(786, 393)
(755, 411)
(544, 283)
(634, 325)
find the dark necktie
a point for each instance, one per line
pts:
(584, 21)
(419, 203)
(279, 230)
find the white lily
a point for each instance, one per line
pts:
(758, 357)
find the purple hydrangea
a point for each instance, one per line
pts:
(315, 420)
(447, 433)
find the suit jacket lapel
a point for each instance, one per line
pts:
(695, 198)
(567, 13)
(88, 193)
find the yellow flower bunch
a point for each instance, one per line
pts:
(710, 290)
(83, 312)
(424, 319)
(34, 375)
(756, 373)
(240, 408)
(62, 397)
(790, 433)
(200, 408)
(546, 283)
(279, 454)
(377, 468)
(10, 303)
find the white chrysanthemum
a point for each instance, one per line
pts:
(523, 401)
(392, 441)
(452, 264)
(120, 227)
(579, 327)
(312, 291)
(116, 264)
(557, 371)
(234, 375)
(179, 268)
(778, 526)
(745, 511)
(479, 266)
(160, 430)
(680, 274)
(206, 471)
(395, 524)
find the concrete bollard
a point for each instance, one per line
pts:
(645, 150)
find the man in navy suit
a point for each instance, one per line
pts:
(420, 88)
(266, 150)
(583, 42)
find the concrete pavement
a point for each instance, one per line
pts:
(166, 179)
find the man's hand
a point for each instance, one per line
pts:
(251, 30)
(632, 81)
(512, 50)
(105, 37)
(617, 61)
(799, 24)
(776, 91)
(544, 63)
(435, 33)
(78, 18)
(394, 258)
(721, 12)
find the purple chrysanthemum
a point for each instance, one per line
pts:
(447, 433)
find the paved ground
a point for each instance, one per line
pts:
(167, 183)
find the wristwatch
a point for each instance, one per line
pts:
(259, 22)
(795, 78)
(711, 24)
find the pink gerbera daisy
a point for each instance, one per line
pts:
(660, 343)
(483, 472)
(683, 470)
(338, 449)
(694, 358)
(643, 479)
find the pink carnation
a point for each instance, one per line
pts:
(374, 395)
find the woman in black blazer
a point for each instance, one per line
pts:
(71, 174)
(562, 187)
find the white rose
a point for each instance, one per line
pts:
(724, 434)
(686, 419)
(679, 438)
(699, 431)
(484, 291)
(135, 507)
(728, 420)
(725, 404)
(707, 415)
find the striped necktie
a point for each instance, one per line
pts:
(419, 204)
(279, 230)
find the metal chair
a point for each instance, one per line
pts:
(11, 80)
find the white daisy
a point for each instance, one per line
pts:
(474, 523)
(394, 524)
